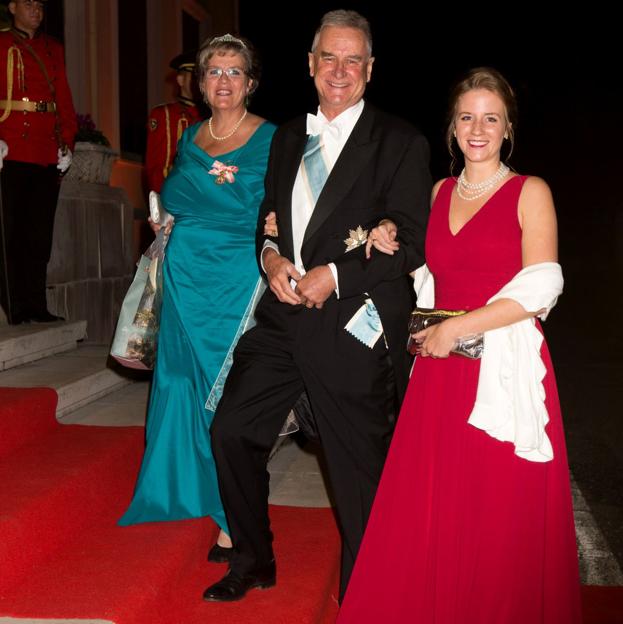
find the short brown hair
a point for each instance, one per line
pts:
(228, 43)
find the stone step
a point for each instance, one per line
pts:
(125, 407)
(20, 344)
(79, 377)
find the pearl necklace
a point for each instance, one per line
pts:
(229, 134)
(473, 190)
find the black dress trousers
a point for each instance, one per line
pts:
(29, 198)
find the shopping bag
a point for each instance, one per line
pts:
(135, 343)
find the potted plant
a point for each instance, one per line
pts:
(93, 157)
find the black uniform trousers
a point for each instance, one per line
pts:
(29, 198)
(353, 397)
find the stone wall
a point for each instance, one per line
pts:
(92, 256)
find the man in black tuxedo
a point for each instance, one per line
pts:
(319, 278)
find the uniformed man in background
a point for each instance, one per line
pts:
(168, 121)
(37, 129)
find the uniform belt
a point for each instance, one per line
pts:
(29, 106)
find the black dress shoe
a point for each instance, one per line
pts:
(220, 554)
(234, 586)
(44, 317)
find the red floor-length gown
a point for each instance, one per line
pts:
(463, 531)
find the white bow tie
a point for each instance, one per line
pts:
(316, 125)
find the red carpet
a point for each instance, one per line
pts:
(25, 413)
(62, 555)
(157, 573)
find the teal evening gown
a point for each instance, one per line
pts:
(210, 284)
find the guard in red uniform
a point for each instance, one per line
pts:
(167, 122)
(37, 129)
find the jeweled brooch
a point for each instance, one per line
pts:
(356, 238)
(224, 173)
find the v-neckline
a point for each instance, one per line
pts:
(453, 235)
(211, 157)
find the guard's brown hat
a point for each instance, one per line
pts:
(184, 62)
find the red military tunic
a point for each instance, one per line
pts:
(166, 125)
(31, 135)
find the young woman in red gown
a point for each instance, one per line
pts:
(463, 531)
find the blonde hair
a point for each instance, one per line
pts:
(491, 80)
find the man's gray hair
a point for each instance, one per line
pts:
(345, 19)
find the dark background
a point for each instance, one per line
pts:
(567, 76)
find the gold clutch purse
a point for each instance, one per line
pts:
(421, 318)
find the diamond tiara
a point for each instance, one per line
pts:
(228, 39)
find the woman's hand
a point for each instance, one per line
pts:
(383, 238)
(437, 341)
(156, 227)
(270, 225)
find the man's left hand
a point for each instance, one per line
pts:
(64, 160)
(316, 286)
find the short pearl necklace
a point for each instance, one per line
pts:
(473, 190)
(229, 134)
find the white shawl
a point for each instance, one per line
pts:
(510, 398)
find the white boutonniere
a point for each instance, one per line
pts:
(356, 238)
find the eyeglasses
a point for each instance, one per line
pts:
(234, 73)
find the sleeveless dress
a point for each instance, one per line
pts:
(210, 284)
(463, 531)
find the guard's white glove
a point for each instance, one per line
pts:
(4, 150)
(64, 160)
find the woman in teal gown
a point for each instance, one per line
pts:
(210, 284)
